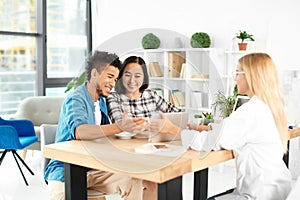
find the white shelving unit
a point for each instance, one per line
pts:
(197, 91)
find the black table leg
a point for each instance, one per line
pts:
(170, 190)
(200, 184)
(286, 155)
(75, 182)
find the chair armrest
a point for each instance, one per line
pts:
(9, 137)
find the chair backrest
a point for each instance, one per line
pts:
(16, 134)
(48, 133)
(40, 109)
(23, 127)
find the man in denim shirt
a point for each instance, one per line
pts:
(81, 119)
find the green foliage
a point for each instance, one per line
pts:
(197, 116)
(208, 115)
(150, 41)
(75, 82)
(200, 40)
(243, 35)
(225, 104)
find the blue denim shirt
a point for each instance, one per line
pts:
(78, 108)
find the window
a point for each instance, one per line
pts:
(66, 37)
(43, 46)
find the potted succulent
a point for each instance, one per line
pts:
(208, 118)
(198, 119)
(243, 36)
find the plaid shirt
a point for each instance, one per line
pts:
(149, 102)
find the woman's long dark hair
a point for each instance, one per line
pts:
(132, 59)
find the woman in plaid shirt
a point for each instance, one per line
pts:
(132, 92)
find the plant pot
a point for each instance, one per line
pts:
(198, 121)
(242, 46)
(207, 121)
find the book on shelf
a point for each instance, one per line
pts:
(196, 99)
(200, 76)
(159, 91)
(155, 70)
(183, 71)
(177, 97)
(175, 61)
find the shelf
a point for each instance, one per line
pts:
(161, 50)
(226, 76)
(174, 79)
(197, 61)
(202, 109)
(243, 52)
(197, 79)
(157, 78)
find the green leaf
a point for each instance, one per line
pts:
(243, 35)
(75, 82)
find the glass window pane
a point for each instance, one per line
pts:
(17, 71)
(57, 91)
(18, 15)
(66, 37)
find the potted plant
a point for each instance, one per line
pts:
(200, 40)
(243, 36)
(208, 118)
(198, 119)
(225, 104)
(150, 41)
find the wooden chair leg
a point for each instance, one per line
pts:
(24, 154)
(97, 198)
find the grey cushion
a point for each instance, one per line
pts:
(48, 133)
(40, 110)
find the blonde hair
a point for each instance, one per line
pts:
(263, 81)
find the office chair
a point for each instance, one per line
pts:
(16, 135)
(48, 133)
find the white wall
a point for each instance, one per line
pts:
(274, 23)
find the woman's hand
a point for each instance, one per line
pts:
(163, 125)
(192, 126)
(132, 125)
(197, 127)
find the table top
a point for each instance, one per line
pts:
(118, 156)
(294, 132)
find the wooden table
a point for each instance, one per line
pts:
(113, 155)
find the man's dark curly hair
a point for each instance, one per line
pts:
(99, 60)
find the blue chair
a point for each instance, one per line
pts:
(16, 135)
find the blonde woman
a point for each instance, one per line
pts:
(257, 132)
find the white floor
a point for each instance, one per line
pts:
(12, 186)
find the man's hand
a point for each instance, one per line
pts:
(132, 125)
